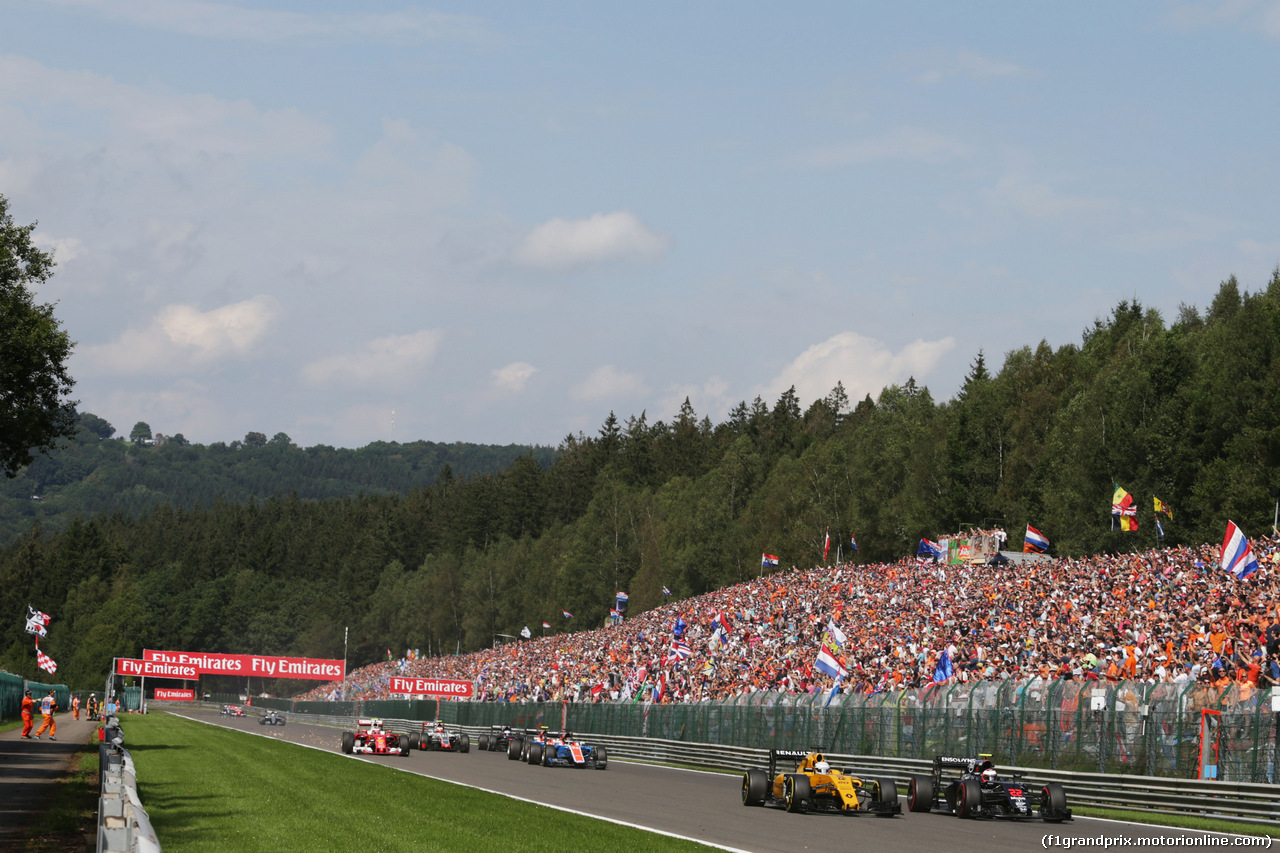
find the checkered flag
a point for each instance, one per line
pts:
(45, 662)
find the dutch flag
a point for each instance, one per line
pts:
(1237, 556)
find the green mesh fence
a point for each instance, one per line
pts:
(1137, 728)
(10, 696)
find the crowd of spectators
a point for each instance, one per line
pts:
(1169, 615)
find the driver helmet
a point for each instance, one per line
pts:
(377, 723)
(990, 775)
(822, 767)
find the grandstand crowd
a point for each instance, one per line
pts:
(1171, 615)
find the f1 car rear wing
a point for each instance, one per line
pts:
(964, 765)
(791, 755)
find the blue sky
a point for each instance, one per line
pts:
(498, 222)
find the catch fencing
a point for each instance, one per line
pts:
(1137, 728)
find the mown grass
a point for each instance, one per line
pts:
(1181, 821)
(211, 789)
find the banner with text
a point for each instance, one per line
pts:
(431, 687)
(163, 695)
(263, 666)
(155, 669)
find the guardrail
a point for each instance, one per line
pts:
(1241, 801)
(123, 825)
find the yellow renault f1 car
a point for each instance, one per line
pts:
(816, 786)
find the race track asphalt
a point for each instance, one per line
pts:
(707, 807)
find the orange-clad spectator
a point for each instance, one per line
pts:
(1217, 638)
(28, 706)
(47, 706)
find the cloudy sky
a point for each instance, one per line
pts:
(498, 222)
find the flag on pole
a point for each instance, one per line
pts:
(525, 632)
(853, 543)
(826, 546)
(45, 662)
(677, 629)
(37, 622)
(1035, 542)
(1237, 556)
(546, 625)
(621, 602)
(1122, 508)
(768, 560)
(567, 614)
(828, 661)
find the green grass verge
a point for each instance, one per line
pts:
(1210, 824)
(207, 788)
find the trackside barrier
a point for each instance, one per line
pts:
(123, 825)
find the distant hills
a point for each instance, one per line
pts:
(96, 475)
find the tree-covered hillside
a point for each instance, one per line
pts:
(96, 474)
(1188, 411)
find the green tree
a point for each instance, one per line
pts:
(34, 383)
(140, 433)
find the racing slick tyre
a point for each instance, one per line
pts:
(262, 721)
(404, 744)
(1053, 799)
(280, 721)
(348, 742)
(482, 743)
(795, 791)
(464, 743)
(920, 794)
(602, 758)
(968, 798)
(493, 744)
(414, 742)
(513, 750)
(754, 784)
(888, 795)
(535, 753)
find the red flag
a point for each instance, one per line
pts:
(826, 547)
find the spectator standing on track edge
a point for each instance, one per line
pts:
(47, 706)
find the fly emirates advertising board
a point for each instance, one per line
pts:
(263, 666)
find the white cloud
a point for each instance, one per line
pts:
(514, 376)
(562, 244)
(387, 362)
(905, 144)
(225, 21)
(1019, 195)
(967, 63)
(1262, 16)
(65, 249)
(180, 338)
(608, 383)
(864, 365)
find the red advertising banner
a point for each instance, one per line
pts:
(164, 695)
(432, 687)
(263, 666)
(155, 669)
